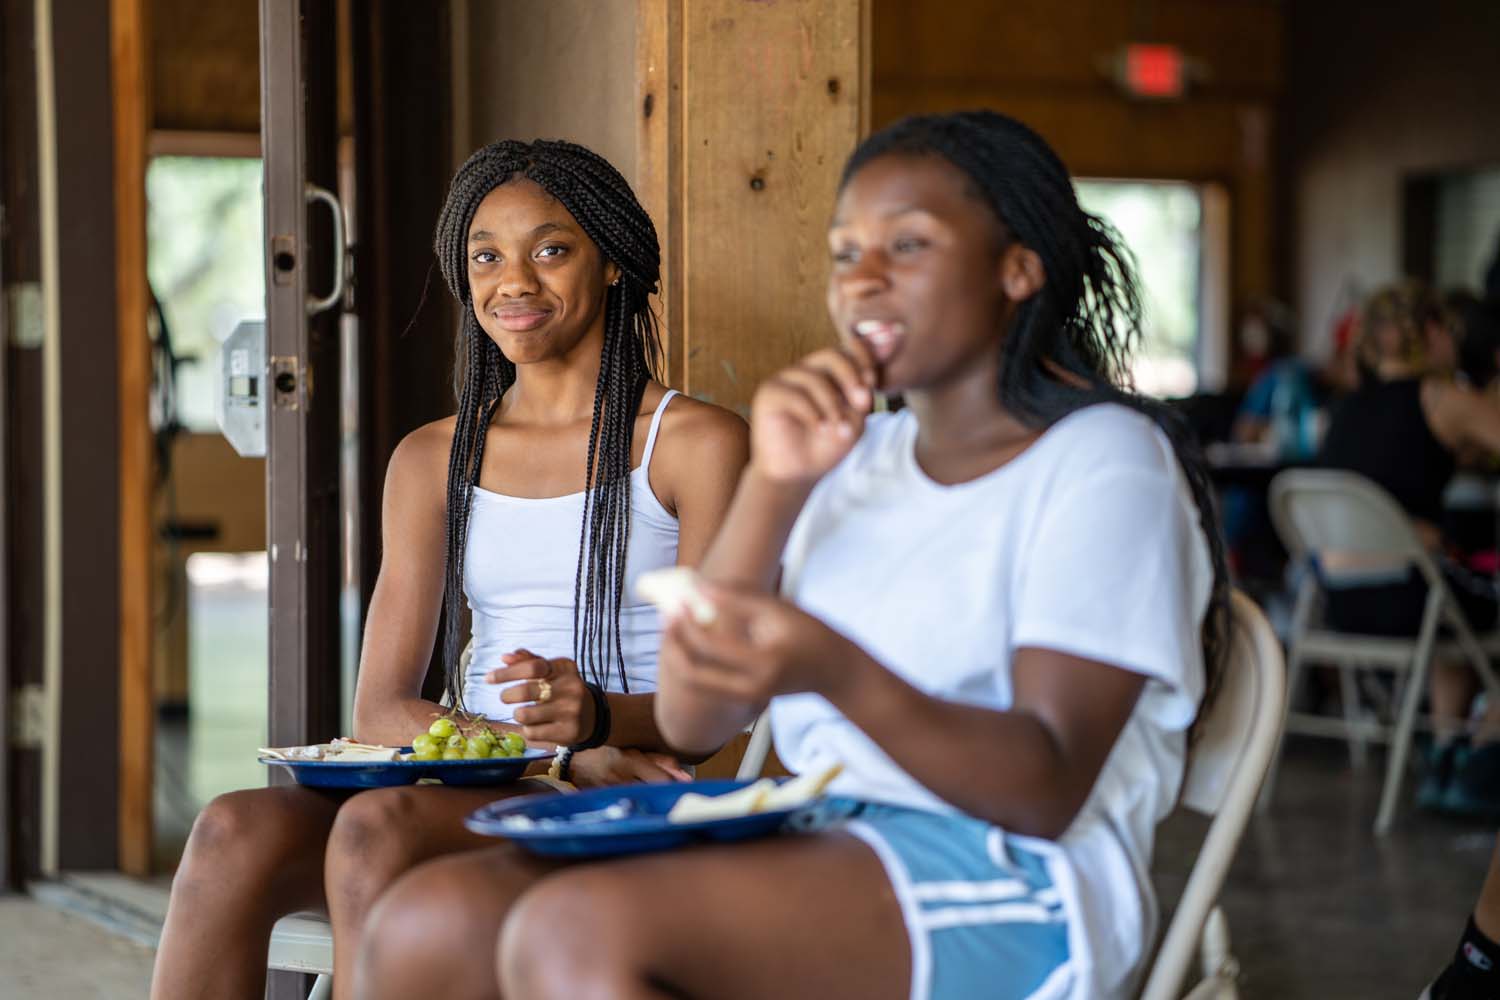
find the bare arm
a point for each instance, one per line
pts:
(404, 609)
(1029, 768)
(806, 420)
(1462, 418)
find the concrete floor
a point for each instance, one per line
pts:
(1317, 907)
(51, 954)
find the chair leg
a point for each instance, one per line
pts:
(1301, 614)
(322, 988)
(1416, 683)
(1354, 726)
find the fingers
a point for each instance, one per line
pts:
(646, 767)
(521, 666)
(671, 765)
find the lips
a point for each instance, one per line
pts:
(518, 320)
(884, 337)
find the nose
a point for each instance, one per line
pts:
(866, 275)
(517, 278)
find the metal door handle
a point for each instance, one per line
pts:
(316, 305)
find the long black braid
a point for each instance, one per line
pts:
(607, 210)
(1069, 344)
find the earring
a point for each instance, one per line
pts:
(614, 283)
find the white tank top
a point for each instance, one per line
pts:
(520, 564)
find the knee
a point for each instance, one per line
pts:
(584, 914)
(371, 838)
(235, 833)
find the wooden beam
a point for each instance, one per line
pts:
(771, 106)
(658, 157)
(128, 48)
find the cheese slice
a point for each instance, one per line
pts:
(674, 590)
(764, 795)
(339, 750)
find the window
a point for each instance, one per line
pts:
(203, 257)
(1163, 224)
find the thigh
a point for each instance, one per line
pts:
(804, 916)
(412, 823)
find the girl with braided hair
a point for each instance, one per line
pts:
(567, 472)
(1000, 609)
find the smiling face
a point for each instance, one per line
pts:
(537, 281)
(919, 271)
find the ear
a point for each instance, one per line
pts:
(611, 272)
(1021, 272)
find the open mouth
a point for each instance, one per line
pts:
(884, 337)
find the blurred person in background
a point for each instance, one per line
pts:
(1404, 428)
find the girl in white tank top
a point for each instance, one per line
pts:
(525, 600)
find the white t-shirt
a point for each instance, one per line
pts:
(1088, 543)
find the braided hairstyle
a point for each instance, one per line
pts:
(1068, 346)
(607, 210)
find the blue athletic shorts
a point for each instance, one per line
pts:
(984, 917)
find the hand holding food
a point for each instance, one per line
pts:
(556, 705)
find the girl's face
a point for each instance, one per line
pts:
(536, 279)
(918, 271)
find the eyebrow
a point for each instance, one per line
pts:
(896, 212)
(481, 235)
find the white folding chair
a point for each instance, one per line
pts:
(303, 942)
(1226, 765)
(1225, 769)
(1321, 511)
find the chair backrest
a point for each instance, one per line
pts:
(1225, 768)
(1331, 510)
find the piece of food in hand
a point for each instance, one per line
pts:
(763, 796)
(674, 589)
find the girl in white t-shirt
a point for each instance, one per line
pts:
(1000, 609)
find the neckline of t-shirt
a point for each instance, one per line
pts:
(514, 499)
(914, 467)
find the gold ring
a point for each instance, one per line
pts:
(543, 690)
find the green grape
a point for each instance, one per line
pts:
(456, 741)
(442, 728)
(430, 754)
(423, 743)
(477, 747)
(474, 755)
(515, 743)
(453, 753)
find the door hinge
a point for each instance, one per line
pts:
(28, 716)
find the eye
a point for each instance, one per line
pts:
(547, 251)
(484, 257)
(908, 244)
(845, 255)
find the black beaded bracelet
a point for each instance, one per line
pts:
(602, 720)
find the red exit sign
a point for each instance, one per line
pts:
(1153, 71)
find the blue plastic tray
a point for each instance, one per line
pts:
(386, 773)
(577, 826)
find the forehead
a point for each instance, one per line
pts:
(520, 205)
(898, 182)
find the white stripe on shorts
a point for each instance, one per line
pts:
(998, 913)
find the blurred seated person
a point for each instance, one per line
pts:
(1283, 394)
(1403, 428)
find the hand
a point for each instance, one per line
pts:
(565, 717)
(806, 418)
(756, 647)
(608, 765)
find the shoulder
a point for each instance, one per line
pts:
(419, 465)
(1108, 438)
(695, 431)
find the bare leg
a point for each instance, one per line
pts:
(790, 917)
(253, 857)
(433, 934)
(382, 834)
(1452, 687)
(1487, 910)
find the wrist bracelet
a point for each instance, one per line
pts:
(562, 765)
(602, 719)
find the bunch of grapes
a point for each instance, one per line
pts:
(457, 739)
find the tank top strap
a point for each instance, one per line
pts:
(655, 426)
